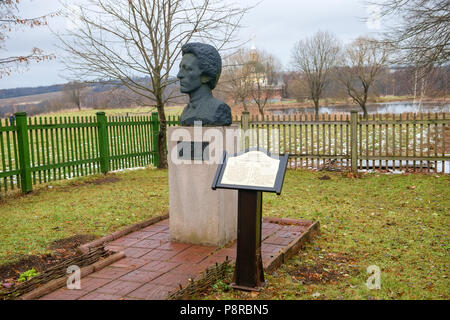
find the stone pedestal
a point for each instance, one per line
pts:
(198, 214)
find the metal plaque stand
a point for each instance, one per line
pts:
(249, 272)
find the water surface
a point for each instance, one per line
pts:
(380, 108)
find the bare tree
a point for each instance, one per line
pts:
(73, 91)
(126, 39)
(298, 88)
(235, 80)
(9, 21)
(418, 30)
(315, 57)
(264, 70)
(362, 62)
(250, 76)
(287, 77)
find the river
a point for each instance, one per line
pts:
(380, 108)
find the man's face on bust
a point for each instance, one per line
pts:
(190, 74)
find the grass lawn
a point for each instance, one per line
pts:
(95, 205)
(399, 223)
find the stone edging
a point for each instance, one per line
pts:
(120, 233)
(295, 245)
(58, 283)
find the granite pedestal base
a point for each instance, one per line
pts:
(199, 215)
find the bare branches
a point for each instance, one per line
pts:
(315, 57)
(125, 40)
(129, 40)
(362, 62)
(73, 91)
(250, 76)
(263, 78)
(235, 79)
(9, 20)
(420, 31)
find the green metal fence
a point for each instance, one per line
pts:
(41, 149)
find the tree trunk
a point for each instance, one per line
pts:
(364, 108)
(260, 108)
(162, 152)
(261, 112)
(162, 136)
(316, 108)
(366, 115)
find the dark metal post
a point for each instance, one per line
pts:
(249, 272)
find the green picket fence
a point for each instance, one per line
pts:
(410, 142)
(10, 170)
(42, 149)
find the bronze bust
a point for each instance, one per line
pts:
(199, 73)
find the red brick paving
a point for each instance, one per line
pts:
(139, 235)
(163, 266)
(148, 243)
(109, 273)
(91, 283)
(159, 255)
(160, 236)
(141, 275)
(125, 242)
(175, 246)
(136, 252)
(65, 294)
(118, 287)
(154, 266)
(211, 261)
(151, 291)
(100, 296)
(129, 263)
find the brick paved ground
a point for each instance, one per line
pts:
(154, 266)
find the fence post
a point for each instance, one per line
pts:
(103, 141)
(245, 116)
(354, 141)
(155, 133)
(24, 152)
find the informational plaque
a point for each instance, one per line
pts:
(254, 169)
(251, 172)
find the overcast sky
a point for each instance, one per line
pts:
(274, 25)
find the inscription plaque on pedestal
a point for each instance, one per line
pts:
(251, 173)
(189, 150)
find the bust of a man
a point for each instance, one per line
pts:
(199, 73)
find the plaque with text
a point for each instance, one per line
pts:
(254, 169)
(189, 150)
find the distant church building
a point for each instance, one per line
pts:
(271, 85)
